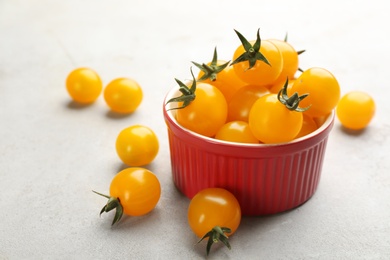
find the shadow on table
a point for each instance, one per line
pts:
(114, 115)
(352, 132)
(75, 105)
(151, 167)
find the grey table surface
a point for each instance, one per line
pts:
(53, 152)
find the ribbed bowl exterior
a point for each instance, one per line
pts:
(266, 179)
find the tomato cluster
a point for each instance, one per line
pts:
(261, 96)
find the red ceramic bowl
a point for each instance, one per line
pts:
(266, 179)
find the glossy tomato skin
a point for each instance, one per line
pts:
(227, 80)
(84, 85)
(290, 60)
(213, 207)
(261, 74)
(355, 110)
(123, 95)
(137, 145)
(309, 125)
(323, 89)
(207, 113)
(242, 101)
(277, 86)
(271, 122)
(137, 189)
(236, 131)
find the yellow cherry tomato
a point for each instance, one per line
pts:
(355, 110)
(213, 207)
(226, 81)
(323, 89)
(320, 120)
(137, 145)
(133, 191)
(236, 131)
(207, 113)
(261, 73)
(214, 213)
(137, 189)
(271, 122)
(84, 85)
(123, 95)
(290, 60)
(241, 102)
(309, 125)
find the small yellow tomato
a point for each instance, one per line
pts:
(355, 110)
(123, 95)
(227, 81)
(241, 102)
(309, 125)
(322, 87)
(290, 59)
(137, 145)
(137, 189)
(271, 122)
(134, 191)
(236, 131)
(84, 85)
(261, 73)
(214, 213)
(207, 113)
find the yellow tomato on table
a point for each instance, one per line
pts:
(123, 95)
(137, 145)
(355, 110)
(214, 213)
(84, 85)
(133, 191)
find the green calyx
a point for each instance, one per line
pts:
(188, 94)
(112, 203)
(211, 71)
(252, 53)
(215, 235)
(291, 103)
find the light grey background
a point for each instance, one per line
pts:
(54, 152)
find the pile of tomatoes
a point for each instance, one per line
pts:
(258, 97)
(255, 98)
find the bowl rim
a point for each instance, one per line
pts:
(169, 116)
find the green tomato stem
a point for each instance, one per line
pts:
(112, 203)
(211, 71)
(188, 94)
(252, 53)
(215, 235)
(292, 102)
